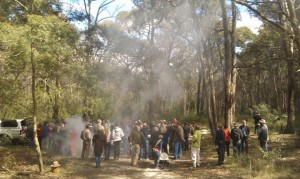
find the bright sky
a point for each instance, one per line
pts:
(126, 5)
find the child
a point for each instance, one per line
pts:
(157, 150)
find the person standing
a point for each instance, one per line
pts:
(263, 135)
(236, 136)
(45, 135)
(146, 132)
(99, 141)
(256, 118)
(244, 142)
(86, 142)
(108, 141)
(117, 135)
(227, 139)
(178, 140)
(219, 144)
(135, 139)
(98, 126)
(187, 131)
(195, 149)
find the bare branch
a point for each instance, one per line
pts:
(258, 13)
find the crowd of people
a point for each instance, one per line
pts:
(144, 141)
(239, 135)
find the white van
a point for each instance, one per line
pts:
(12, 130)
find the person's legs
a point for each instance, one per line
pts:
(227, 144)
(118, 149)
(83, 150)
(194, 156)
(97, 158)
(246, 146)
(176, 150)
(146, 149)
(198, 157)
(136, 156)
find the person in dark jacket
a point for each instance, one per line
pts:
(236, 136)
(135, 139)
(220, 144)
(245, 131)
(256, 119)
(99, 140)
(263, 135)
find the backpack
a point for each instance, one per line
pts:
(82, 135)
(235, 135)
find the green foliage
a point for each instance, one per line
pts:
(276, 120)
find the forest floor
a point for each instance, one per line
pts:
(283, 161)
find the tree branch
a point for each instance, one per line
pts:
(259, 14)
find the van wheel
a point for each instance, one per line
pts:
(5, 140)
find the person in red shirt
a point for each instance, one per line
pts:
(227, 139)
(39, 132)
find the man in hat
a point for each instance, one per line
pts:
(263, 135)
(236, 136)
(86, 137)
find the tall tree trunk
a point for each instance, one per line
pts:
(288, 45)
(34, 106)
(227, 69)
(198, 93)
(233, 62)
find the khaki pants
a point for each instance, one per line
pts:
(135, 151)
(85, 149)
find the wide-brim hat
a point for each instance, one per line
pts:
(235, 124)
(55, 164)
(263, 121)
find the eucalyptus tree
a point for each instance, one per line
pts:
(40, 46)
(282, 14)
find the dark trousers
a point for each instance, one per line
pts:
(186, 143)
(220, 151)
(244, 146)
(107, 150)
(227, 144)
(117, 149)
(263, 145)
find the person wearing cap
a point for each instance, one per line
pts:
(236, 136)
(86, 137)
(263, 135)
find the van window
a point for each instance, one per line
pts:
(10, 123)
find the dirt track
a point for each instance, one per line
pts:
(25, 166)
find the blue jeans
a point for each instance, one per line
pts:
(98, 160)
(146, 148)
(107, 150)
(177, 149)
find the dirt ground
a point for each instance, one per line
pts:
(20, 162)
